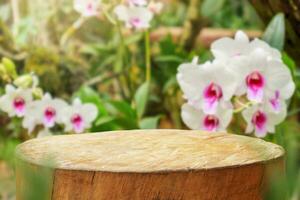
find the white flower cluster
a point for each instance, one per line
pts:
(242, 70)
(47, 111)
(137, 14)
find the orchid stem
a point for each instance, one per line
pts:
(71, 30)
(122, 63)
(15, 13)
(122, 45)
(147, 56)
(243, 105)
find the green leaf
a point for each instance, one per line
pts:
(126, 123)
(275, 32)
(141, 98)
(124, 116)
(149, 122)
(169, 58)
(104, 120)
(211, 7)
(123, 108)
(133, 38)
(88, 95)
(170, 83)
(286, 59)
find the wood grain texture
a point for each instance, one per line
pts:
(154, 165)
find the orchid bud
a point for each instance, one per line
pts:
(3, 74)
(2, 70)
(9, 67)
(24, 81)
(37, 93)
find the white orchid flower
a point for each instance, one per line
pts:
(137, 2)
(87, 8)
(134, 17)
(275, 102)
(207, 85)
(79, 117)
(155, 7)
(262, 77)
(240, 46)
(196, 119)
(47, 111)
(261, 119)
(241, 67)
(15, 100)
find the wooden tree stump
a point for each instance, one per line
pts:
(150, 164)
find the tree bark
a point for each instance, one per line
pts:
(153, 164)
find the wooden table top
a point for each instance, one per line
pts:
(147, 151)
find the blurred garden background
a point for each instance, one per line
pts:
(102, 62)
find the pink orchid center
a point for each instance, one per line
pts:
(275, 101)
(89, 7)
(49, 116)
(255, 84)
(19, 105)
(237, 54)
(135, 21)
(255, 81)
(259, 120)
(213, 92)
(137, 2)
(92, 9)
(210, 123)
(77, 122)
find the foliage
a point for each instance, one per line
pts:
(230, 14)
(275, 32)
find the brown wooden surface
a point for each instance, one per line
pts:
(243, 166)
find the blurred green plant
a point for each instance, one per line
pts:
(35, 184)
(230, 14)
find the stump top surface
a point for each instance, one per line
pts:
(148, 151)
